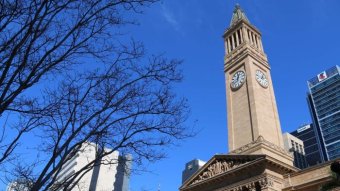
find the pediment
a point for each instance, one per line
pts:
(218, 165)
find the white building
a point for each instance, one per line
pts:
(100, 178)
(19, 185)
(295, 145)
(190, 168)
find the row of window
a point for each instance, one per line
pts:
(307, 138)
(311, 148)
(330, 127)
(329, 119)
(323, 101)
(235, 39)
(332, 136)
(300, 160)
(297, 147)
(305, 133)
(323, 98)
(333, 139)
(328, 101)
(331, 130)
(309, 142)
(327, 84)
(334, 154)
(325, 87)
(334, 146)
(330, 110)
(313, 158)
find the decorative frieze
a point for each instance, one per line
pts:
(251, 186)
(218, 167)
(262, 183)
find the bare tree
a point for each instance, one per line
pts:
(125, 102)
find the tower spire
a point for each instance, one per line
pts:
(238, 15)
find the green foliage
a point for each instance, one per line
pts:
(334, 183)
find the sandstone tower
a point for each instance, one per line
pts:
(252, 110)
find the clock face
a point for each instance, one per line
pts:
(238, 80)
(261, 78)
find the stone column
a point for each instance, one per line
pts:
(236, 39)
(229, 44)
(256, 41)
(233, 41)
(252, 38)
(245, 35)
(240, 30)
(260, 41)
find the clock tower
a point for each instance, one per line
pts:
(252, 111)
(256, 160)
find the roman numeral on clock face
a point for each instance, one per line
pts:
(238, 79)
(261, 78)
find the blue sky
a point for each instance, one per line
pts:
(300, 38)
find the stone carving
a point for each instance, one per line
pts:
(263, 182)
(218, 167)
(266, 182)
(251, 186)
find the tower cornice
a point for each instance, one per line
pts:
(230, 60)
(230, 29)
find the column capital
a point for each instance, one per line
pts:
(266, 183)
(251, 186)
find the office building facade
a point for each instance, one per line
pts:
(295, 146)
(324, 104)
(19, 185)
(112, 174)
(307, 134)
(124, 167)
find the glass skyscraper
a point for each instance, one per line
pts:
(324, 104)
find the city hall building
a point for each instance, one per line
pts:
(257, 160)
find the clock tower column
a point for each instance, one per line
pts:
(252, 111)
